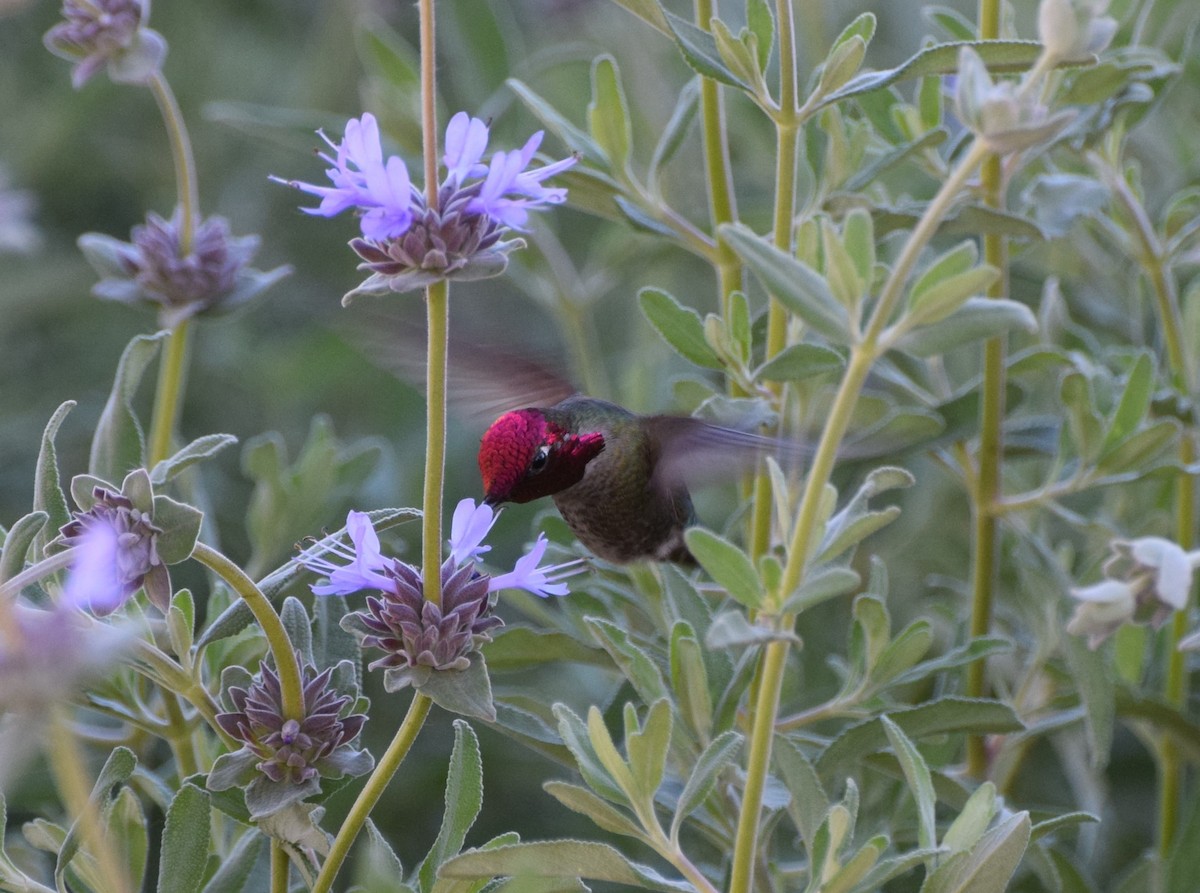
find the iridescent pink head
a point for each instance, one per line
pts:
(525, 456)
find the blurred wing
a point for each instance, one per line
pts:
(694, 450)
(482, 383)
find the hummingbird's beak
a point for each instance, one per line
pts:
(491, 500)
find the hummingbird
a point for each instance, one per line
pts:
(619, 479)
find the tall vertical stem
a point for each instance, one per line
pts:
(985, 539)
(862, 357)
(69, 768)
(718, 172)
(372, 791)
(437, 299)
(787, 139)
(172, 371)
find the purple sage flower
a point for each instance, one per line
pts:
(97, 580)
(213, 276)
(107, 32)
(282, 758)
(411, 631)
(117, 543)
(406, 243)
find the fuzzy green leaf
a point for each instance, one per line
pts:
(48, 494)
(464, 799)
(574, 734)
(972, 820)
(199, 449)
(608, 113)
(820, 586)
(676, 130)
(689, 679)
(118, 768)
(1135, 401)
(941, 59)
(17, 542)
(916, 773)
(571, 135)
(236, 868)
(466, 692)
(700, 52)
(559, 859)
(185, 840)
(761, 22)
(975, 320)
(641, 671)
(118, 445)
(949, 715)
(809, 802)
(647, 747)
(797, 286)
(584, 802)
(800, 361)
(649, 11)
(989, 865)
(717, 757)
(298, 624)
(126, 825)
(606, 751)
(679, 326)
(180, 525)
(941, 298)
(728, 565)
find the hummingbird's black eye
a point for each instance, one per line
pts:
(539, 459)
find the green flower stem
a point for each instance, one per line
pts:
(169, 674)
(12, 587)
(985, 494)
(287, 662)
(279, 867)
(171, 375)
(762, 734)
(669, 850)
(437, 297)
(67, 763)
(428, 39)
(718, 171)
(181, 154)
(787, 139)
(168, 398)
(372, 791)
(179, 736)
(862, 356)
(1151, 256)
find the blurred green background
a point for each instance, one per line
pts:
(255, 80)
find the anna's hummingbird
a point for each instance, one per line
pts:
(616, 477)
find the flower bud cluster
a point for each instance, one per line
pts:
(96, 33)
(406, 242)
(130, 552)
(283, 758)
(411, 631)
(212, 275)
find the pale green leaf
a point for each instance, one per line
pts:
(728, 565)
(716, 758)
(118, 444)
(679, 326)
(920, 783)
(185, 841)
(797, 286)
(464, 799)
(608, 113)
